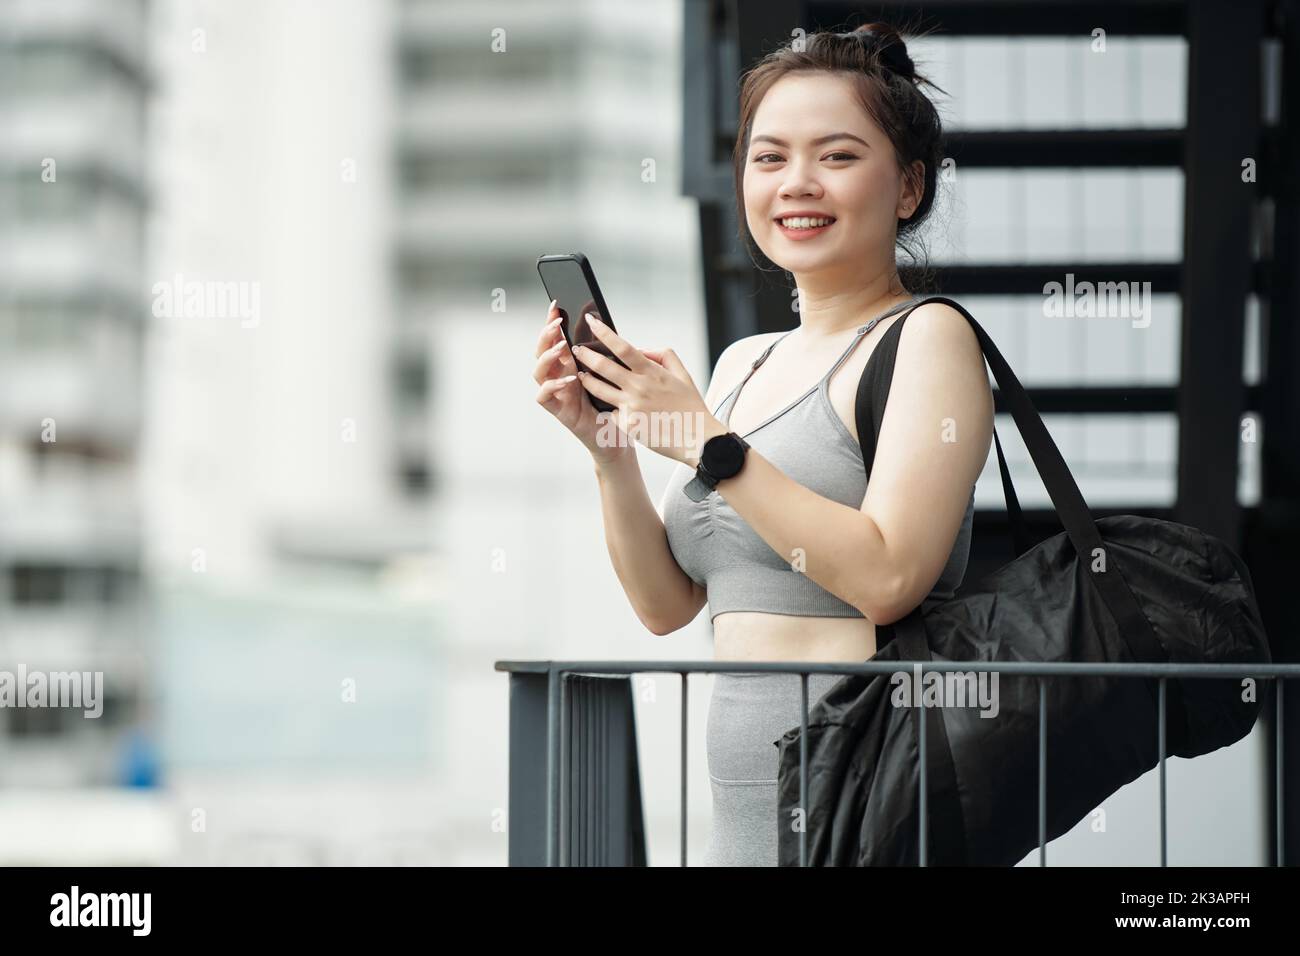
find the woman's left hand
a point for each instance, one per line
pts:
(656, 401)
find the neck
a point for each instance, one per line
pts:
(828, 307)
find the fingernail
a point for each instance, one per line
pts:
(552, 305)
(592, 318)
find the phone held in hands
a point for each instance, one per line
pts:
(568, 279)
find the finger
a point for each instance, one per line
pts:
(677, 368)
(552, 387)
(594, 361)
(600, 389)
(549, 335)
(546, 338)
(625, 350)
(547, 358)
(670, 361)
(654, 355)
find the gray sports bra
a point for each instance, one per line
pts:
(808, 441)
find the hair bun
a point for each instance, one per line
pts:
(888, 47)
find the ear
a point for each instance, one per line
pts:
(912, 191)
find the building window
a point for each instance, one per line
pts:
(415, 477)
(411, 381)
(39, 584)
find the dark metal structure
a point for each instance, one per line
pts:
(568, 809)
(595, 744)
(1240, 237)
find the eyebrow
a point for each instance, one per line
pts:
(829, 137)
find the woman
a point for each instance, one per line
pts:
(797, 557)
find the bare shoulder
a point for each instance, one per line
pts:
(734, 362)
(940, 358)
(937, 324)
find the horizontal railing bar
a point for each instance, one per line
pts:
(1063, 668)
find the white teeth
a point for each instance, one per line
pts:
(805, 222)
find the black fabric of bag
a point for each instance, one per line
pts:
(1123, 588)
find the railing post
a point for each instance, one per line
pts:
(1164, 860)
(528, 820)
(684, 738)
(803, 767)
(1042, 771)
(562, 773)
(925, 849)
(1278, 759)
(552, 767)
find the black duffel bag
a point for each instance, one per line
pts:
(1125, 588)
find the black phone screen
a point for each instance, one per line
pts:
(569, 280)
(566, 281)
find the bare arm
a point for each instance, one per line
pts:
(663, 597)
(884, 557)
(661, 593)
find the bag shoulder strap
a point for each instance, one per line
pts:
(873, 394)
(874, 387)
(1134, 627)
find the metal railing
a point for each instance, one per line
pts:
(537, 770)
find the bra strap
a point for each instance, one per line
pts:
(735, 392)
(861, 333)
(762, 357)
(856, 339)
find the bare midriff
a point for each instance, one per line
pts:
(759, 636)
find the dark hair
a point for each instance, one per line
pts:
(874, 58)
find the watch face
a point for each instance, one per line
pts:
(723, 455)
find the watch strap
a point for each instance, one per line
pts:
(700, 486)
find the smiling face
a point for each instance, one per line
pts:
(853, 178)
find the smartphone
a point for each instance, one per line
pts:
(568, 279)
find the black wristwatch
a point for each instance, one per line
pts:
(722, 457)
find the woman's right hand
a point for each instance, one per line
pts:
(563, 396)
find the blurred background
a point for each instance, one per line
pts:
(270, 458)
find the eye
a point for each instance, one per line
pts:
(837, 156)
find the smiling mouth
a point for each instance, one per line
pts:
(797, 223)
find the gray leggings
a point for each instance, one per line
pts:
(747, 714)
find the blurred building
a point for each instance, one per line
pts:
(527, 128)
(295, 599)
(73, 197)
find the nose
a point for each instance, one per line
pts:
(798, 181)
